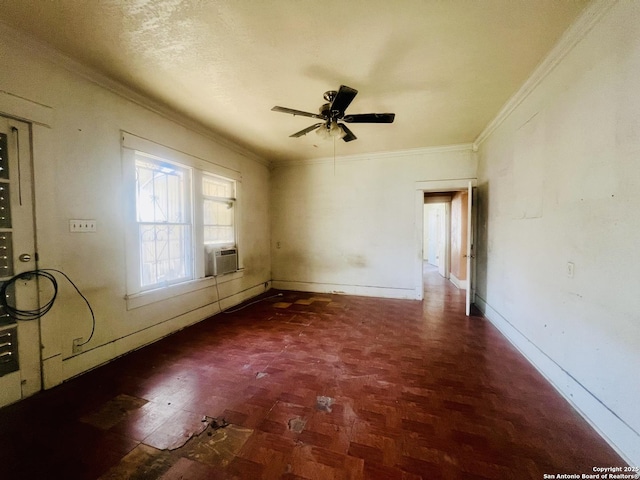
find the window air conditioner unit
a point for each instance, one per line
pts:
(225, 261)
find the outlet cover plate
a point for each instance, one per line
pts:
(76, 346)
(570, 269)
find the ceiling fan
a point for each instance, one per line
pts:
(333, 114)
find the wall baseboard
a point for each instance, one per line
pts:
(460, 284)
(622, 438)
(365, 291)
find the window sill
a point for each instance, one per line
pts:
(142, 299)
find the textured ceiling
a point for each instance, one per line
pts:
(445, 67)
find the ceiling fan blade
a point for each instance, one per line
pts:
(344, 97)
(348, 134)
(296, 112)
(306, 130)
(370, 118)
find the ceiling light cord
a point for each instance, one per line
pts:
(334, 156)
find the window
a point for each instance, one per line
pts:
(181, 209)
(218, 208)
(165, 230)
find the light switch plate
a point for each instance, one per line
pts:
(82, 225)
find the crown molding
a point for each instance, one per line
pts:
(590, 17)
(90, 74)
(378, 155)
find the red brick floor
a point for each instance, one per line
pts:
(407, 389)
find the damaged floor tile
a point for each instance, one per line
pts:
(324, 403)
(185, 469)
(297, 424)
(304, 301)
(174, 433)
(321, 299)
(142, 463)
(216, 448)
(113, 411)
(282, 305)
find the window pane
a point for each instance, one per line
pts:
(218, 222)
(164, 253)
(162, 192)
(218, 210)
(217, 187)
(163, 208)
(222, 235)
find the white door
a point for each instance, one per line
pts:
(471, 248)
(21, 376)
(432, 234)
(445, 242)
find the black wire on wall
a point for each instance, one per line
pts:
(36, 313)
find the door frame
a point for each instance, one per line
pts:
(444, 265)
(41, 119)
(27, 378)
(436, 186)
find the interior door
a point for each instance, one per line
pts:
(442, 240)
(20, 358)
(471, 249)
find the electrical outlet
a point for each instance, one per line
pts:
(77, 346)
(80, 225)
(570, 268)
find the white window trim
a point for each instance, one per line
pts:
(132, 143)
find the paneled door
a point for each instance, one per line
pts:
(20, 352)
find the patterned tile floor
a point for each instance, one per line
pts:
(308, 386)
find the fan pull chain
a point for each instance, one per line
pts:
(334, 156)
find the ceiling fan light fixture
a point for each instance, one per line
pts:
(335, 130)
(323, 132)
(330, 130)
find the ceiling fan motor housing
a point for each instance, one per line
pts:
(325, 110)
(330, 95)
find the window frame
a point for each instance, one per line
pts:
(136, 295)
(187, 214)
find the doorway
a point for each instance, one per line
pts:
(437, 232)
(461, 249)
(20, 357)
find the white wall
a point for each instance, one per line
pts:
(559, 182)
(355, 231)
(78, 174)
